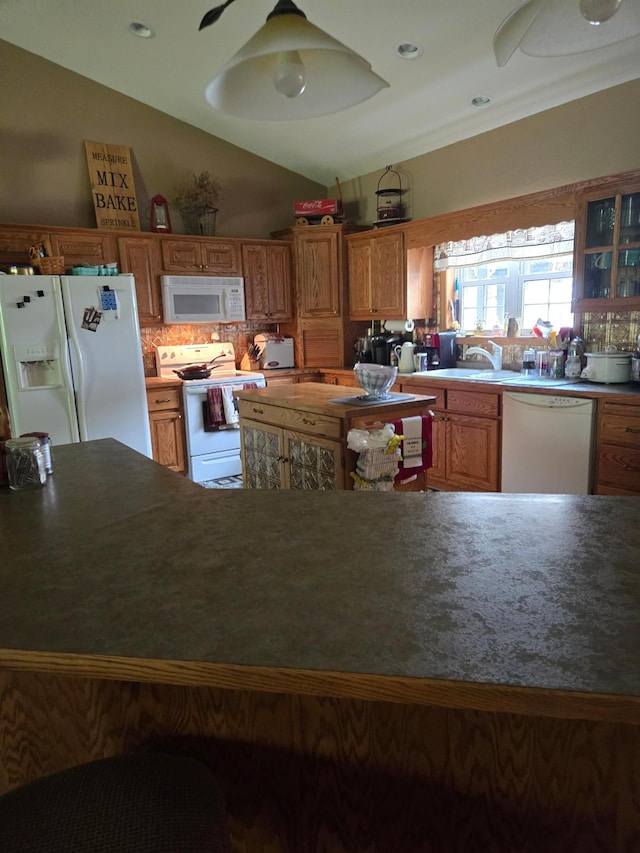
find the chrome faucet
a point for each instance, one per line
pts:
(495, 359)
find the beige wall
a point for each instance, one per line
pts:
(46, 114)
(588, 138)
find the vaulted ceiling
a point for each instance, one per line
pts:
(427, 105)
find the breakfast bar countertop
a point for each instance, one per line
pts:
(121, 568)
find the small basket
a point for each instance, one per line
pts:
(49, 266)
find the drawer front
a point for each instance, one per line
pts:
(621, 429)
(619, 466)
(159, 399)
(309, 422)
(427, 391)
(473, 403)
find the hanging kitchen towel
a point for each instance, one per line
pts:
(213, 409)
(230, 404)
(416, 449)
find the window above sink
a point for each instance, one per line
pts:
(523, 273)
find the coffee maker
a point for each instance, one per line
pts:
(441, 349)
(382, 346)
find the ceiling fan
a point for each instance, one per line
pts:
(564, 27)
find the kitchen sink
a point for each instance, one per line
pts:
(468, 374)
(447, 373)
(492, 375)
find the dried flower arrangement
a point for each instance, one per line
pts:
(199, 193)
(198, 197)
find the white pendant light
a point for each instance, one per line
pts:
(290, 70)
(549, 28)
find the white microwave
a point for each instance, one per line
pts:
(203, 299)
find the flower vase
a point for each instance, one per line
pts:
(202, 225)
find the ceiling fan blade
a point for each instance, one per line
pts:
(213, 15)
(514, 28)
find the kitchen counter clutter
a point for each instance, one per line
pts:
(466, 664)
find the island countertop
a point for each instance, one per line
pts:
(121, 568)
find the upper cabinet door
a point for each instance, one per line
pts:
(141, 257)
(359, 263)
(16, 242)
(267, 280)
(377, 276)
(85, 247)
(388, 276)
(221, 257)
(318, 254)
(607, 251)
(205, 256)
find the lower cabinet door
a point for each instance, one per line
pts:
(167, 439)
(262, 455)
(313, 463)
(472, 452)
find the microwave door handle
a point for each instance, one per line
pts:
(223, 305)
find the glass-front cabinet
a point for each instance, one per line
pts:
(608, 251)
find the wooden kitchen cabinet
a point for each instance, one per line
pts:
(167, 426)
(267, 280)
(322, 330)
(466, 438)
(390, 276)
(202, 255)
(377, 276)
(85, 247)
(15, 243)
(141, 257)
(618, 449)
(607, 249)
(277, 458)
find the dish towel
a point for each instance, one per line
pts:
(416, 446)
(230, 405)
(213, 410)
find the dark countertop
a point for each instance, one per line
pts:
(118, 556)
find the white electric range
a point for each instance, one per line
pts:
(212, 452)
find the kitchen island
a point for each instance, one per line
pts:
(365, 672)
(295, 436)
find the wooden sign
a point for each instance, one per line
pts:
(112, 185)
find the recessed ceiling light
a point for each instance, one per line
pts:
(409, 50)
(141, 30)
(481, 101)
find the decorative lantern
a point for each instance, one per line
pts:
(389, 207)
(160, 219)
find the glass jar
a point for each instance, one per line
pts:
(45, 441)
(556, 363)
(25, 463)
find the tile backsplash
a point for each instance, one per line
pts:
(239, 334)
(619, 329)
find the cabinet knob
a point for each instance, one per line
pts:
(258, 411)
(307, 421)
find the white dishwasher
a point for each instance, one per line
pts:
(547, 444)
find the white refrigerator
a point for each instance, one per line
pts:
(72, 358)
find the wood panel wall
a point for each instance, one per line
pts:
(304, 774)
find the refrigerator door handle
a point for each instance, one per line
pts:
(80, 381)
(67, 378)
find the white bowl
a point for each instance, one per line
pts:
(375, 379)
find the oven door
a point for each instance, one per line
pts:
(212, 453)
